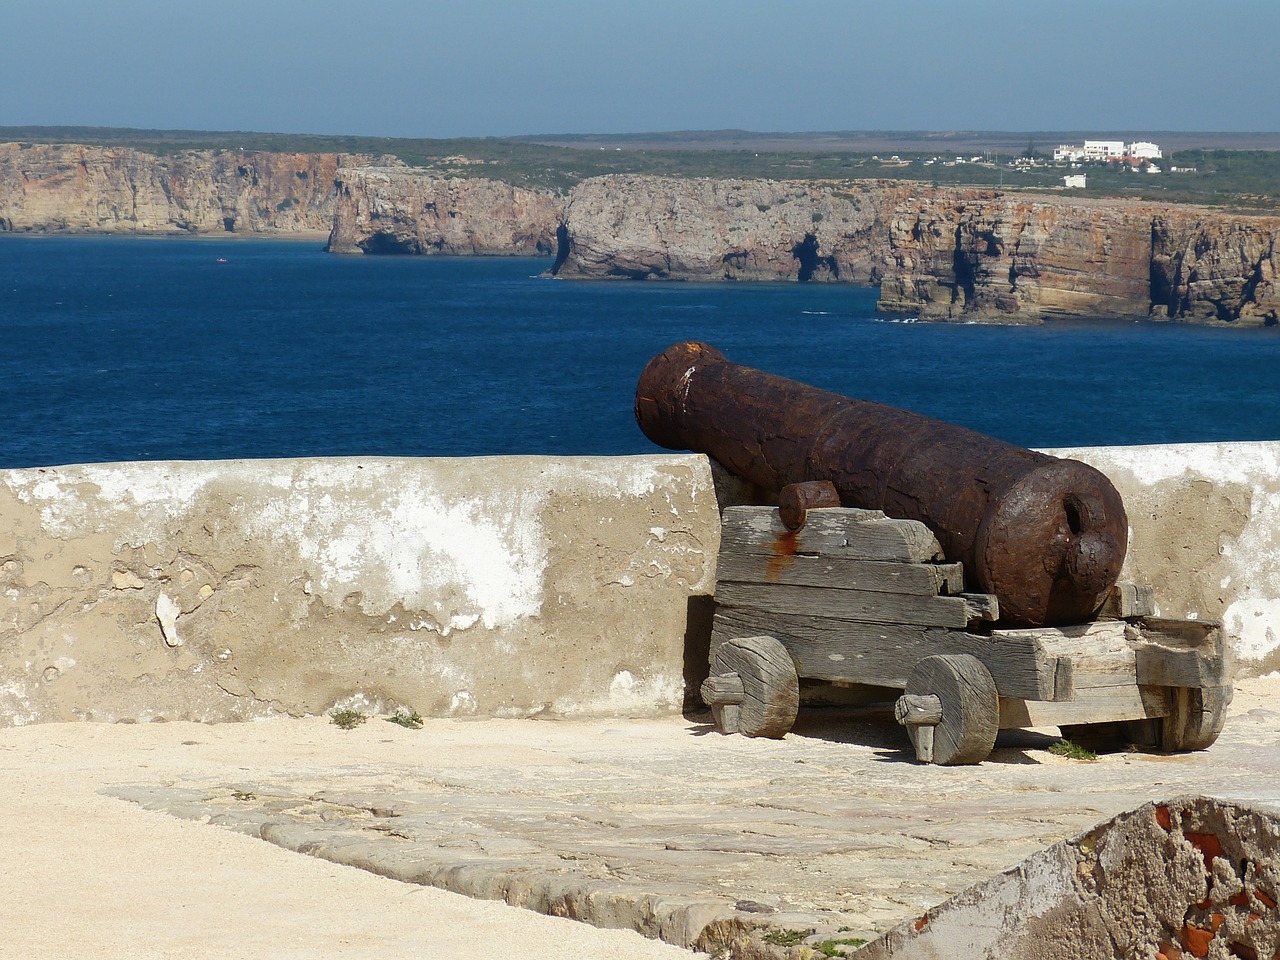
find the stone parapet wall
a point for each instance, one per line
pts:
(515, 586)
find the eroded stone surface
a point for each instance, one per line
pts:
(225, 591)
(669, 828)
(1193, 876)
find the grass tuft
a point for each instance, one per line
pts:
(1072, 751)
(831, 948)
(408, 719)
(786, 938)
(346, 718)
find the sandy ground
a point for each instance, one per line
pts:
(88, 875)
(85, 875)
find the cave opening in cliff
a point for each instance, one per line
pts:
(962, 267)
(562, 248)
(384, 244)
(810, 265)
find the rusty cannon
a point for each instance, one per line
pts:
(1044, 535)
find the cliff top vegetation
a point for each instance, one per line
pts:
(1240, 171)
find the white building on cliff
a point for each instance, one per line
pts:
(1108, 151)
(1103, 149)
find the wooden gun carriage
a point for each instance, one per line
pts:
(853, 597)
(819, 590)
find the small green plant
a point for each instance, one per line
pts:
(786, 938)
(346, 718)
(1072, 751)
(406, 718)
(831, 948)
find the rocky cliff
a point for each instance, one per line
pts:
(658, 228)
(72, 188)
(399, 209)
(936, 253)
(1015, 257)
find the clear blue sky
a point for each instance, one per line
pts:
(424, 68)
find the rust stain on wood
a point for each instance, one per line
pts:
(784, 554)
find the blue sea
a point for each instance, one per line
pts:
(143, 349)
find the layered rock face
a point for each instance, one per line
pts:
(1210, 267)
(963, 255)
(937, 253)
(70, 188)
(660, 228)
(398, 209)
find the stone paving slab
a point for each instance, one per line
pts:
(671, 829)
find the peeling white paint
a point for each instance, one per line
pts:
(1254, 622)
(463, 704)
(462, 558)
(361, 703)
(15, 704)
(1215, 462)
(628, 696)
(167, 612)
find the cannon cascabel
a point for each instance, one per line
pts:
(1047, 536)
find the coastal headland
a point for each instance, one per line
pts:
(936, 252)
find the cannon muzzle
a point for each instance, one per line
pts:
(1046, 535)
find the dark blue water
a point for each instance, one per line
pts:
(128, 349)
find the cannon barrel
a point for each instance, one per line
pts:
(1046, 536)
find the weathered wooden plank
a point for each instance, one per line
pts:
(841, 573)
(1191, 634)
(1180, 668)
(1128, 601)
(1097, 637)
(985, 605)
(1099, 705)
(1100, 652)
(879, 654)
(830, 531)
(861, 605)
(1181, 653)
(1172, 653)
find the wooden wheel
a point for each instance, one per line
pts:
(951, 710)
(1195, 718)
(753, 688)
